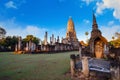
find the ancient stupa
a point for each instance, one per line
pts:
(71, 37)
(71, 33)
(97, 43)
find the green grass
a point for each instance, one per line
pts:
(34, 66)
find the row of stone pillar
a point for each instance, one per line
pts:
(52, 39)
(30, 46)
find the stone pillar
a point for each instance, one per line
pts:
(85, 67)
(16, 48)
(92, 49)
(41, 47)
(19, 44)
(55, 40)
(58, 39)
(34, 47)
(62, 40)
(30, 45)
(72, 64)
(80, 54)
(106, 49)
(52, 39)
(27, 46)
(45, 38)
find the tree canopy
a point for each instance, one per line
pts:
(8, 43)
(32, 39)
(116, 42)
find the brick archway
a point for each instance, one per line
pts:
(98, 48)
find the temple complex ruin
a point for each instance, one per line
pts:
(97, 61)
(69, 43)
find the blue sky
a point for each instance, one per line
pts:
(23, 17)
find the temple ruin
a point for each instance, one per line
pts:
(71, 37)
(69, 43)
(97, 43)
(97, 61)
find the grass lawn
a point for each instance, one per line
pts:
(34, 66)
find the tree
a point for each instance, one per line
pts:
(32, 39)
(2, 44)
(116, 42)
(113, 38)
(86, 33)
(36, 40)
(8, 43)
(14, 41)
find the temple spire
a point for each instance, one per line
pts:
(94, 19)
(95, 26)
(71, 33)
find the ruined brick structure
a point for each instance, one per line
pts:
(97, 43)
(54, 45)
(71, 37)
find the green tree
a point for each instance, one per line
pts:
(14, 41)
(8, 43)
(2, 44)
(113, 38)
(86, 33)
(116, 42)
(31, 38)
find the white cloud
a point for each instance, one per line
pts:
(110, 23)
(87, 1)
(109, 4)
(28, 30)
(14, 29)
(10, 4)
(100, 8)
(86, 21)
(81, 6)
(34, 30)
(108, 32)
(82, 37)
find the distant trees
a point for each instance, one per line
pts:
(116, 42)
(86, 33)
(8, 43)
(113, 37)
(32, 39)
(2, 44)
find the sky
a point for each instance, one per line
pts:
(23, 17)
